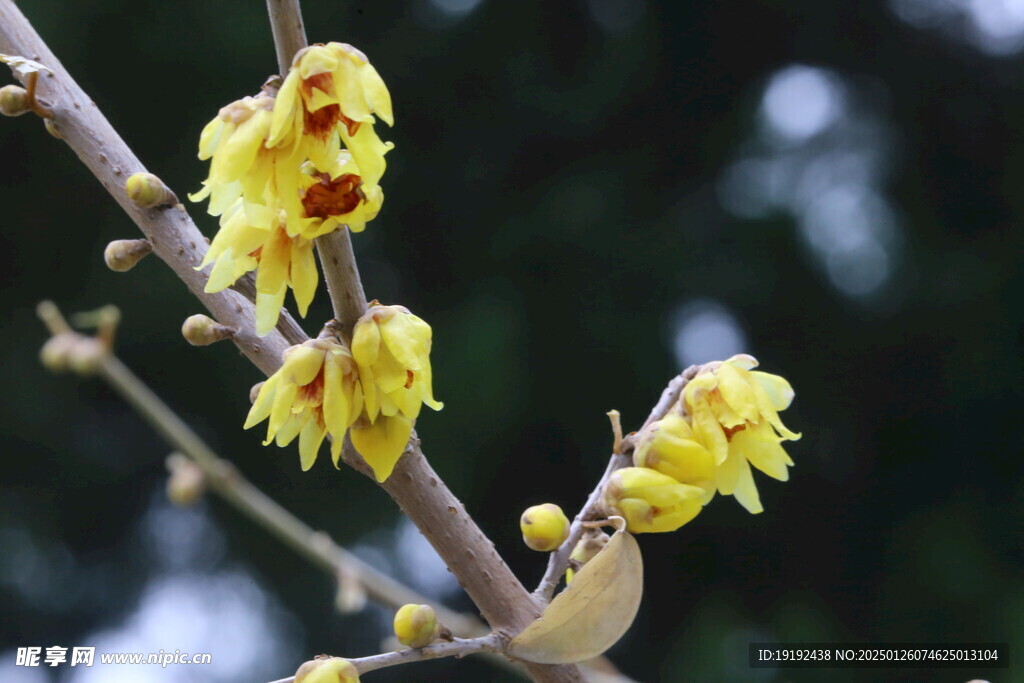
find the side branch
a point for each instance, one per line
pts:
(228, 482)
(458, 648)
(558, 561)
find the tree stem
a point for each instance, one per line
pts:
(440, 517)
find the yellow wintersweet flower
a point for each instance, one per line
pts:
(316, 392)
(392, 349)
(257, 239)
(242, 165)
(670, 447)
(330, 90)
(650, 501)
(734, 413)
(324, 201)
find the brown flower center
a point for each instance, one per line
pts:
(729, 431)
(312, 394)
(323, 121)
(333, 197)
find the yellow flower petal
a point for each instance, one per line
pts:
(370, 391)
(389, 374)
(337, 407)
(709, 431)
(260, 409)
(736, 391)
(268, 309)
(303, 273)
(766, 454)
(780, 392)
(746, 491)
(302, 364)
(382, 443)
(366, 343)
(282, 121)
(281, 409)
(670, 448)
(310, 438)
(408, 338)
(290, 429)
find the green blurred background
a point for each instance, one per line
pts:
(585, 197)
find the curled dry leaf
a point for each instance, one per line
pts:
(592, 613)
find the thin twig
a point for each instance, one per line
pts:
(228, 482)
(558, 561)
(458, 648)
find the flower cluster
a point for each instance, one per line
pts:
(373, 392)
(279, 176)
(726, 420)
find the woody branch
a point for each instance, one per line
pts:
(419, 491)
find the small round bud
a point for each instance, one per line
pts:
(586, 550)
(544, 527)
(14, 101)
(416, 625)
(327, 670)
(122, 255)
(55, 354)
(201, 330)
(86, 354)
(255, 391)
(148, 191)
(187, 482)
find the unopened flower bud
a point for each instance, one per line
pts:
(201, 330)
(416, 625)
(587, 548)
(122, 255)
(327, 670)
(56, 351)
(671, 447)
(85, 355)
(544, 527)
(14, 101)
(148, 191)
(651, 501)
(187, 482)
